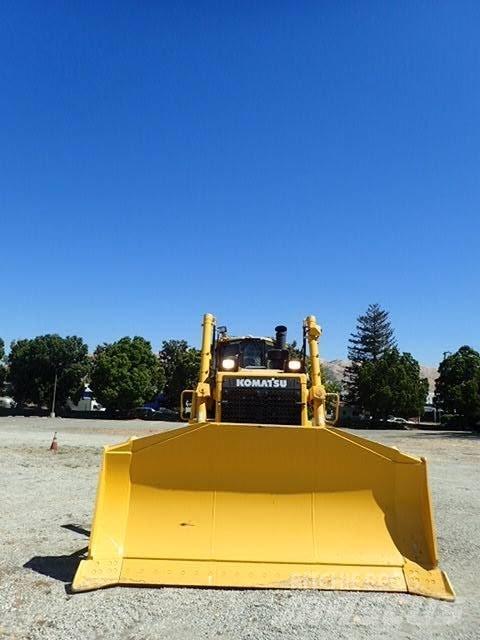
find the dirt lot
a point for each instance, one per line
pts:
(46, 504)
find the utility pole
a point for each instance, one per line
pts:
(52, 412)
(445, 353)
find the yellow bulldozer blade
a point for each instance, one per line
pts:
(263, 506)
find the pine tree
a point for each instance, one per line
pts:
(373, 335)
(372, 338)
(3, 370)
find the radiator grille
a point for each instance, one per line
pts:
(261, 406)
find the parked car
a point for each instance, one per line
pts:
(162, 413)
(6, 402)
(400, 422)
(148, 413)
(143, 413)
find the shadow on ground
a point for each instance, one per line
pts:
(60, 568)
(76, 528)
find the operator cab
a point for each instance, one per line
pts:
(249, 352)
(245, 353)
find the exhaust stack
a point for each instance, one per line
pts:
(280, 337)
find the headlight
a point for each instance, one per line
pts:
(228, 364)
(294, 365)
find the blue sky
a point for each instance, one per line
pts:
(258, 160)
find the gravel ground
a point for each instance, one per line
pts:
(46, 504)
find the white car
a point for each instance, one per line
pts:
(6, 402)
(400, 421)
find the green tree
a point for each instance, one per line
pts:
(391, 385)
(179, 366)
(372, 337)
(125, 374)
(3, 370)
(34, 363)
(457, 389)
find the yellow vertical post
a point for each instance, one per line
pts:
(203, 391)
(317, 390)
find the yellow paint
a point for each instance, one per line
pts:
(203, 392)
(317, 390)
(260, 373)
(218, 504)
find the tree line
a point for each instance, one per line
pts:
(122, 374)
(383, 381)
(379, 381)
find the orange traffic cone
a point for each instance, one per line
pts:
(54, 445)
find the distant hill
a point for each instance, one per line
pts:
(335, 369)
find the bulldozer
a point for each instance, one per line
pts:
(260, 489)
